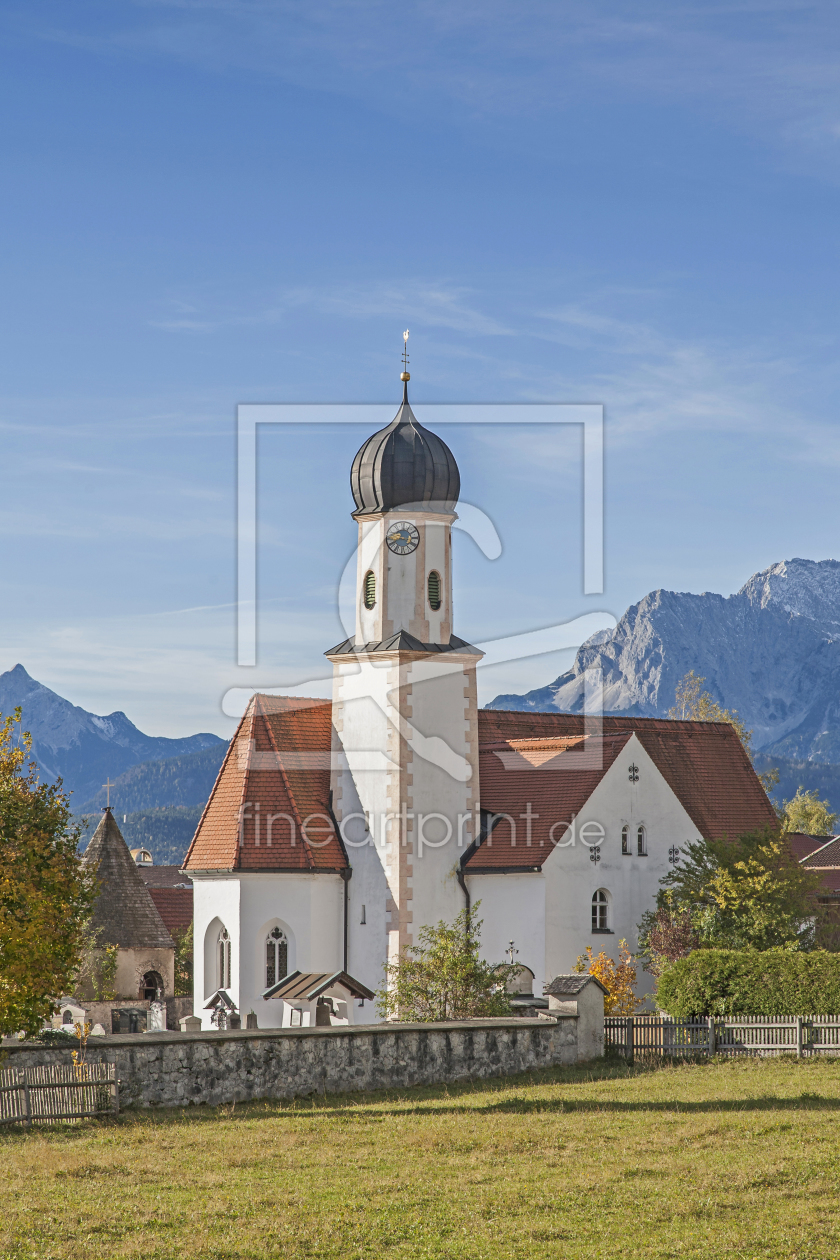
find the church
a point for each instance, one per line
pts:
(337, 830)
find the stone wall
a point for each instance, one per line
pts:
(180, 1069)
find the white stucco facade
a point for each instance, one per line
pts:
(308, 909)
(548, 913)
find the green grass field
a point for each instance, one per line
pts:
(709, 1160)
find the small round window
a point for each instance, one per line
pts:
(370, 589)
(434, 590)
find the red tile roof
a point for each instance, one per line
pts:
(704, 763)
(175, 907)
(827, 855)
(802, 845)
(164, 877)
(280, 758)
(276, 779)
(522, 772)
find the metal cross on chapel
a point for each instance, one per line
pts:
(107, 786)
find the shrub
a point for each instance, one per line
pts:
(444, 977)
(749, 982)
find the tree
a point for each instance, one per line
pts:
(666, 934)
(443, 976)
(808, 814)
(46, 896)
(183, 961)
(618, 978)
(694, 705)
(748, 893)
(97, 973)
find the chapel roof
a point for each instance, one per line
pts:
(570, 986)
(124, 913)
(521, 758)
(404, 465)
(279, 761)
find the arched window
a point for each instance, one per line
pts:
(641, 841)
(370, 589)
(224, 959)
(600, 908)
(625, 838)
(151, 986)
(434, 590)
(276, 957)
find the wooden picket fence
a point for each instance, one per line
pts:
(39, 1095)
(655, 1035)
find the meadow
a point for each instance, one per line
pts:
(734, 1159)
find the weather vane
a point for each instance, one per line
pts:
(405, 375)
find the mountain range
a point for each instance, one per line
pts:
(84, 749)
(771, 652)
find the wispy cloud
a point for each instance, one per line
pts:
(770, 67)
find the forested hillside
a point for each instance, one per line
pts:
(154, 785)
(166, 833)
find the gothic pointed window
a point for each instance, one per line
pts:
(224, 959)
(434, 591)
(276, 957)
(370, 589)
(641, 841)
(625, 838)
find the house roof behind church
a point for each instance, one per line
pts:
(124, 913)
(536, 758)
(802, 845)
(826, 855)
(270, 807)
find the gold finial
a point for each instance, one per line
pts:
(405, 375)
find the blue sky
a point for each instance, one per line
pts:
(208, 202)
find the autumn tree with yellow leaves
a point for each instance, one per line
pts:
(618, 978)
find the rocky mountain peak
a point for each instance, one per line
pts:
(771, 652)
(807, 588)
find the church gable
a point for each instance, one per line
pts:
(526, 758)
(270, 807)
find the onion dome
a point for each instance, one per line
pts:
(404, 465)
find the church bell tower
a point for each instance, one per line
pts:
(405, 771)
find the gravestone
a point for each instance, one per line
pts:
(157, 1017)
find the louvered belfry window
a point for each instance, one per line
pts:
(370, 589)
(276, 957)
(434, 590)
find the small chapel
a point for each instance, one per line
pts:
(125, 915)
(336, 830)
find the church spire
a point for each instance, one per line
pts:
(405, 375)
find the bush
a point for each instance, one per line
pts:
(749, 982)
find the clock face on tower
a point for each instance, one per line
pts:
(402, 538)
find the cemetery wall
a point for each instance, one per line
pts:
(181, 1069)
